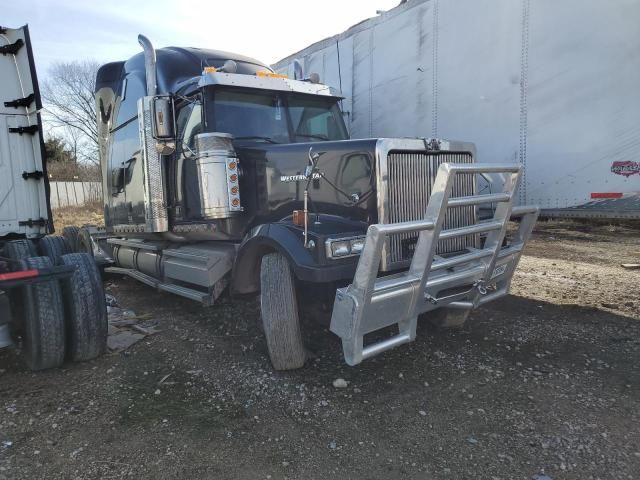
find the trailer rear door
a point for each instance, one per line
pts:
(24, 187)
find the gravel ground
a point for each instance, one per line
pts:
(542, 384)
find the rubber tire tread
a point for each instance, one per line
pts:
(53, 246)
(279, 312)
(44, 330)
(84, 242)
(70, 233)
(86, 309)
(19, 250)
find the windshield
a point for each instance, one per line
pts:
(277, 118)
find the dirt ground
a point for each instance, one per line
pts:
(542, 384)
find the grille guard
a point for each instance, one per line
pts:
(476, 277)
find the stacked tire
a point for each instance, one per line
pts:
(70, 234)
(43, 332)
(85, 308)
(58, 320)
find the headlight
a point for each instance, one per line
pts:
(344, 247)
(340, 249)
(357, 246)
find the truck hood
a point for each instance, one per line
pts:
(344, 183)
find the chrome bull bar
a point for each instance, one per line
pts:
(459, 283)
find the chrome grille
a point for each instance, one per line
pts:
(410, 178)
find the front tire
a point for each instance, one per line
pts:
(279, 311)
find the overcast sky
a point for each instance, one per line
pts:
(107, 30)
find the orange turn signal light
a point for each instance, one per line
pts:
(270, 74)
(298, 218)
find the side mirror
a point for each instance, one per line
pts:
(163, 124)
(229, 67)
(163, 121)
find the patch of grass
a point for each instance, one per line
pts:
(90, 213)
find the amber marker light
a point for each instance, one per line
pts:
(270, 74)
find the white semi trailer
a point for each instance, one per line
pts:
(553, 85)
(52, 301)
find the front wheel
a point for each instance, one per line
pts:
(279, 307)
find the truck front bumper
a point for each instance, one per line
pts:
(462, 282)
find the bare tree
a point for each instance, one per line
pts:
(69, 97)
(77, 143)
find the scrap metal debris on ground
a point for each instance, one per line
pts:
(125, 327)
(631, 266)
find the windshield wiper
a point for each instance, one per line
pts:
(256, 137)
(311, 135)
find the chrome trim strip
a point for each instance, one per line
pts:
(155, 210)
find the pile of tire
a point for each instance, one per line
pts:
(57, 320)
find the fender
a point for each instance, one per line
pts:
(287, 240)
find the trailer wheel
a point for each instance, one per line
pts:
(86, 309)
(71, 236)
(85, 244)
(43, 339)
(279, 308)
(53, 246)
(19, 250)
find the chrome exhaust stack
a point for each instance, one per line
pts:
(149, 64)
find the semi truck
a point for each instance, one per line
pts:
(221, 174)
(52, 301)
